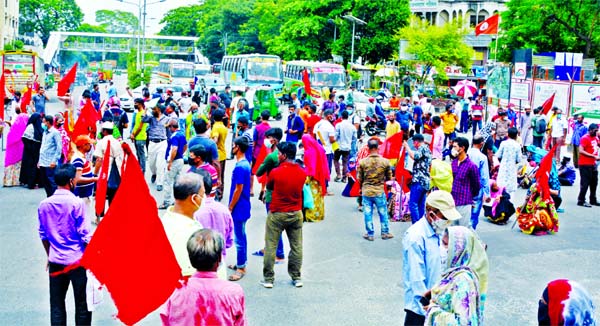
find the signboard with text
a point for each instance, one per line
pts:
(423, 5)
(542, 90)
(585, 99)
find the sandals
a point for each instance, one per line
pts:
(164, 206)
(237, 275)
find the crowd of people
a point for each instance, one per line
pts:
(435, 170)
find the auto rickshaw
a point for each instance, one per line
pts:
(264, 99)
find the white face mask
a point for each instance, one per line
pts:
(443, 256)
(440, 226)
(454, 152)
(267, 143)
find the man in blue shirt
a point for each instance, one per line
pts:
(177, 145)
(417, 117)
(39, 101)
(201, 138)
(566, 172)
(422, 260)
(295, 126)
(239, 205)
(481, 161)
(579, 130)
(404, 118)
(96, 97)
(50, 152)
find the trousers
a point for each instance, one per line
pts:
(157, 161)
(589, 179)
(140, 152)
(291, 223)
(58, 291)
(47, 174)
(172, 175)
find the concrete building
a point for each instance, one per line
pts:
(9, 21)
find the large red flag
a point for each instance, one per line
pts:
(488, 26)
(102, 184)
(542, 175)
(2, 94)
(403, 176)
(547, 106)
(63, 85)
(306, 81)
(130, 253)
(86, 123)
(25, 100)
(392, 146)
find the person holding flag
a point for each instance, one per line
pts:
(420, 176)
(109, 148)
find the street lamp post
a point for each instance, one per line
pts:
(354, 21)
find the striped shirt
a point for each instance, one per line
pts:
(80, 163)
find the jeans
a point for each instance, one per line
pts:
(417, 202)
(413, 319)
(140, 152)
(476, 210)
(329, 161)
(537, 141)
(476, 125)
(336, 162)
(156, 159)
(449, 136)
(589, 179)
(499, 141)
(47, 174)
(241, 243)
(172, 175)
(464, 121)
(380, 202)
(291, 222)
(58, 292)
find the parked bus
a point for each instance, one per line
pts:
(252, 70)
(174, 71)
(20, 67)
(323, 77)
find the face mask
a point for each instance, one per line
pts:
(350, 112)
(404, 109)
(451, 111)
(44, 127)
(454, 152)
(558, 116)
(267, 143)
(444, 255)
(527, 113)
(59, 124)
(440, 226)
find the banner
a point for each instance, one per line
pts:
(520, 90)
(585, 99)
(542, 90)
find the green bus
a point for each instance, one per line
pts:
(323, 77)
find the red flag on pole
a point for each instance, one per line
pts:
(542, 175)
(392, 146)
(2, 94)
(64, 84)
(306, 81)
(403, 176)
(128, 238)
(548, 104)
(25, 100)
(488, 26)
(86, 123)
(102, 184)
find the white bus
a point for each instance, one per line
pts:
(174, 71)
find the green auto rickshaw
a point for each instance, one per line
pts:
(264, 99)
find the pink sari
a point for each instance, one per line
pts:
(14, 144)
(315, 161)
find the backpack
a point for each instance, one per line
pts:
(540, 126)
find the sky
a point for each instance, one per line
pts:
(155, 12)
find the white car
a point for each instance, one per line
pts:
(126, 103)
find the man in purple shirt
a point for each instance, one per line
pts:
(466, 183)
(204, 299)
(65, 232)
(215, 216)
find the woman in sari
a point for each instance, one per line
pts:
(458, 299)
(14, 149)
(32, 141)
(565, 302)
(315, 164)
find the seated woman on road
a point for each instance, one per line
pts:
(459, 297)
(565, 302)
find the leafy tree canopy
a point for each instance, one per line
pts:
(44, 16)
(181, 21)
(117, 21)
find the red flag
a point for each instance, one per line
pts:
(66, 81)
(306, 81)
(392, 146)
(488, 26)
(2, 94)
(86, 123)
(25, 100)
(129, 238)
(102, 184)
(262, 154)
(548, 104)
(403, 177)
(542, 175)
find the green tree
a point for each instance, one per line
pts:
(437, 46)
(134, 75)
(89, 28)
(14, 45)
(544, 26)
(117, 21)
(181, 21)
(45, 16)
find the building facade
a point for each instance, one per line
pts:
(9, 21)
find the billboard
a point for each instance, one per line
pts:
(585, 99)
(542, 90)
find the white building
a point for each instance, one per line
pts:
(9, 21)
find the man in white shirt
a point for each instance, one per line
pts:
(558, 133)
(116, 157)
(325, 133)
(345, 135)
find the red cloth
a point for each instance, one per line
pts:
(542, 176)
(589, 144)
(86, 123)
(63, 85)
(102, 184)
(129, 238)
(306, 81)
(259, 161)
(558, 291)
(488, 26)
(25, 100)
(315, 162)
(403, 177)
(2, 94)
(547, 106)
(392, 146)
(287, 181)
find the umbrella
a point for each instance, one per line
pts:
(465, 88)
(386, 72)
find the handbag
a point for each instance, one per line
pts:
(308, 202)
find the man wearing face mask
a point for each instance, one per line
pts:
(325, 133)
(157, 147)
(404, 118)
(421, 177)
(466, 185)
(179, 222)
(295, 125)
(50, 153)
(198, 160)
(558, 133)
(502, 124)
(449, 121)
(525, 129)
(422, 261)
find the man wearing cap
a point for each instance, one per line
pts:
(84, 178)
(466, 183)
(157, 146)
(177, 145)
(372, 174)
(420, 176)
(421, 259)
(115, 157)
(138, 132)
(295, 126)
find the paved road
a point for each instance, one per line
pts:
(347, 280)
